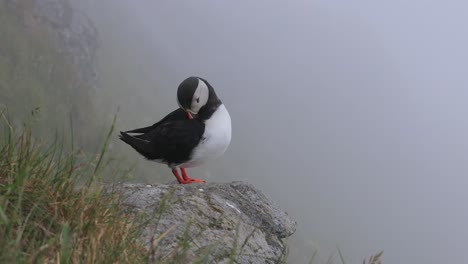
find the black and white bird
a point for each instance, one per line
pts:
(200, 130)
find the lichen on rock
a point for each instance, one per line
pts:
(216, 222)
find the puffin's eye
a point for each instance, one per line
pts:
(198, 100)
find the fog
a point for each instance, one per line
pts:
(352, 115)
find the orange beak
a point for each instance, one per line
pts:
(189, 115)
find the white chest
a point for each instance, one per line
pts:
(216, 138)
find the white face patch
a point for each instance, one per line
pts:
(200, 97)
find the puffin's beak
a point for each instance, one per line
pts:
(190, 114)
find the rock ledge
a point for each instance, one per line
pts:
(219, 221)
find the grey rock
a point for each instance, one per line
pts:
(218, 222)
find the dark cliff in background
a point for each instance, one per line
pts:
(48, 69)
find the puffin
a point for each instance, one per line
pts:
(198, 131)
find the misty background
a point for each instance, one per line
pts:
(352, 115)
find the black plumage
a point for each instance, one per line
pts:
(170, 140)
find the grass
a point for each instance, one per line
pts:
(373, 259)
(47, 216)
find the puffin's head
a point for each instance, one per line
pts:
(193, 94)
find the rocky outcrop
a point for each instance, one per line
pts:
(210, 222)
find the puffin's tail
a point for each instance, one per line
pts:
(142, 146)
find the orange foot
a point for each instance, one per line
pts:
(185, 179)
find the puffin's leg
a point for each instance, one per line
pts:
(179, 179)
(188, 179)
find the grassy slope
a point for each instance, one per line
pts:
(50, 211)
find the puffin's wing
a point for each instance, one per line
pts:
(142, 146)
(171, 141)
(178, 114)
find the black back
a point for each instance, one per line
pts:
(171, 140)
(175, 115)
